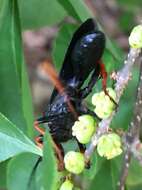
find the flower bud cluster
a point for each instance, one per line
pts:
(66, 185)
(109, 145)
(135, 38)
(104, 106)
(84, 128)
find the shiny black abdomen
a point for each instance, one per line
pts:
(60, 119)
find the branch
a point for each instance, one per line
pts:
(132, 142)
(122, 77)
(124, 170)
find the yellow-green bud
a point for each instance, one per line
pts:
(84, 128)
(104, 106)
(67, 185)
(135, 38)
(74, 162)
(109, 146)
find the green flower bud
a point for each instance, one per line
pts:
(103, 104)
(84, 128)
(109, 146)
(135, 38)
(67, 185)
(74, 162)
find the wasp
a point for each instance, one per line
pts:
(82, 61)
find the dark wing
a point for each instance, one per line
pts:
(68, 70)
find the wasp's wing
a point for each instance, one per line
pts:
(68, 70)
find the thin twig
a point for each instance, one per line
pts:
(132, 142)
(122, 78)
(124, 170)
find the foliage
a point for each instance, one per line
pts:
(18, 154)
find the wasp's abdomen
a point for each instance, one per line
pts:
(60, 120)
(61, 127)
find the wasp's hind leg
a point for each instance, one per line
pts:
(59, 151)
(82, 149)
(39, 139)
(57, 146)
(39, 129)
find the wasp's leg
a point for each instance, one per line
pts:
(100, 71)
(57, 146)
(39, 129)
(39, 141)
(93, 114)
(104, 81)
(39, 121)
(59, 151)
(88, 89)
(84, 110)
(82, 147)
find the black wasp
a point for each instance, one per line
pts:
(82, 59)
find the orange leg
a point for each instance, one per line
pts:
(39, 142)
(104, 75)
(104, 81)
(57, 148)
(59, 154)
(39, 129)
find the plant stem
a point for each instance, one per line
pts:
(122, 77)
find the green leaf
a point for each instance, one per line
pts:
(124, 21)
(13, 141)
(3, 172)
(107, 176)
(19, 171)
(61, 43)
(31, 19)
(49, 174)
(27, 102)
(15, 95)
(135, 174)
(115, 52)
(130, 5)
(10, 63)
(24, 83)
(76, 9)
(23, 77)
(96, 164)
(134, 187)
